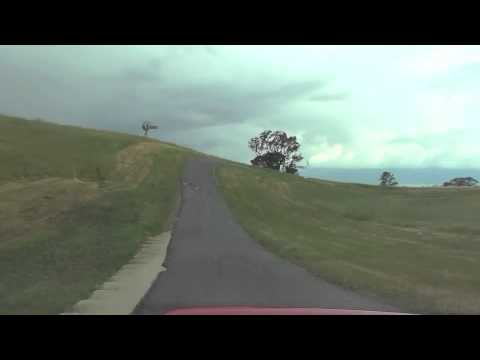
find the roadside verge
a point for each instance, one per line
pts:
(121, 294)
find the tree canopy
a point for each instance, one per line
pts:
(388, 179)
(276, 150)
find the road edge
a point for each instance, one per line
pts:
(124, 290)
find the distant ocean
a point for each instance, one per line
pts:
(405, 177)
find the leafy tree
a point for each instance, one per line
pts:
(271, 160)
(388, 179)
(276, 150)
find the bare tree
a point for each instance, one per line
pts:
(147, 126)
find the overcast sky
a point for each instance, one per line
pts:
(350, 106)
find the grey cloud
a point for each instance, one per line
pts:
(296, 89)
(329, 131)
(181, 107)
(330, 97)
(192, 114)
(136, 75)
(434, 140)
(443, 147)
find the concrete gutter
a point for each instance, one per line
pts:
(121, 294)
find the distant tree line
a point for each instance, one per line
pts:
(388, 179)
(461, 181)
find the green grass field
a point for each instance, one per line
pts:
(417, 248)
(75, 206)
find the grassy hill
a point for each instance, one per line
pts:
(75, 205)
(418, 248)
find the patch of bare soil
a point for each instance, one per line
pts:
(134, 162)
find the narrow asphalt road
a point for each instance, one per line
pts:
(211, 261)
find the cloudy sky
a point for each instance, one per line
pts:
(350, 106)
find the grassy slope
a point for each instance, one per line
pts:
(417, 248)
(70, 216)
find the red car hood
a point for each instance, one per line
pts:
(245, 310)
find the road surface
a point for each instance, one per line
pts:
(211, 261)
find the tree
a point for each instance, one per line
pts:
(276, 150)
(291, 169)
(388, 179)
(461, 181)
(147, 126)
(269, 160)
